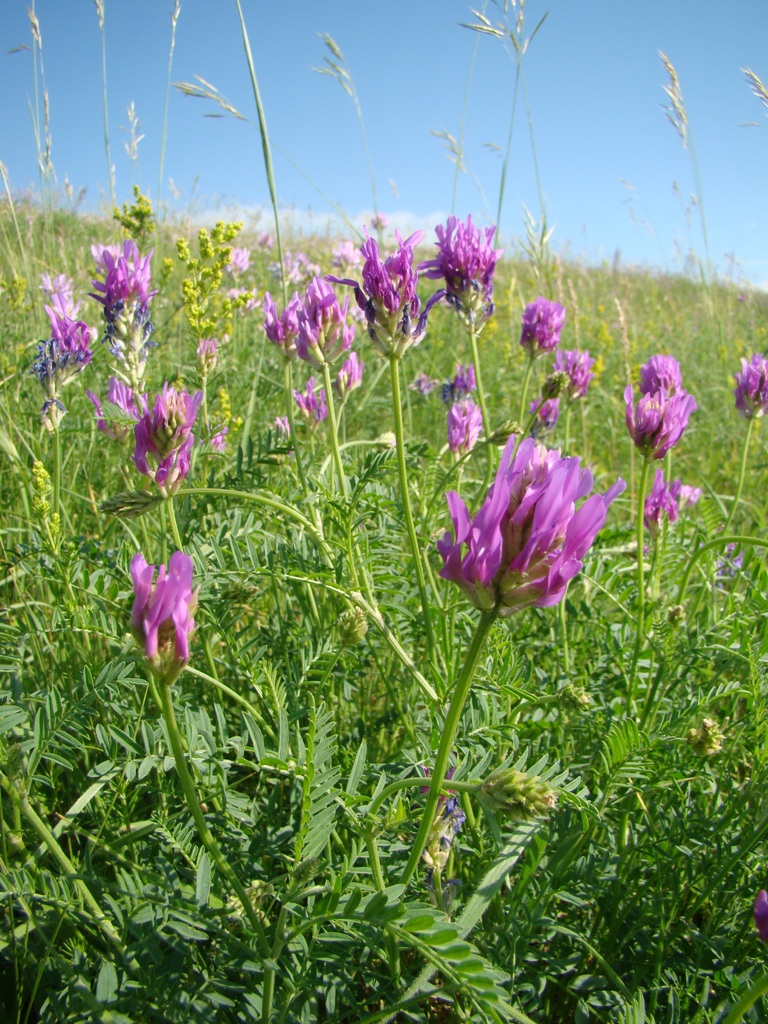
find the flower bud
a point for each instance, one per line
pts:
(555, 384)
(575, 697)
(130, 504)
(518, 795)
(352, 626)
(707, 739)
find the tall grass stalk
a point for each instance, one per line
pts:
(100, 4)
(164, 132)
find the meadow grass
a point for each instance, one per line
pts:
(362, 798)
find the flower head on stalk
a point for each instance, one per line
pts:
(58, 360)
(125, 294)
(547, 413)
(658, 420)
(312, 404)
(239, 261)
(388, 296)
(751, 392)
(447, 823)
(462, 385)
(466, 262)
(761, 915)
(162, 614)
(206, 356)
(661, 372)
(543, 320)
(465, 423)
(59, 292)
(659, 503)
(323, 330)
(350, 376)
(282, 330)
(684, 494)
(164, 438)
(118, 422)
(424, 384)
(528, 539)
(578, 366)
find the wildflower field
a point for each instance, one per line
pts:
(382, 629)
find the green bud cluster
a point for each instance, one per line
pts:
(516, 794)
(555, 384)
(575, 697)
(707, 739)
(130, 504)
(352, 626)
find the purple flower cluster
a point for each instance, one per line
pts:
(299, 269)
(761, 915)
(465, 422)
(125, 294)
(162, 614)
(126, 410)
(164, 438)
(424, 384)
(466, 262)
(323, 330)
(752, 387)
(464, 383)
(59, 292)
(59, 359)
(543, 321)
(350, 376)
(660, 502)
(388, 296)
(578, 366)
(283, 329)
(528, 539)
(547, 412)
(239, 261)
(660, 417)
(312, 404)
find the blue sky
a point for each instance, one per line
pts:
(613, 173)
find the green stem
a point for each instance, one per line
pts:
(57, 473)
(450, 728)
(297, 456)
(394, 368)
(524, 394)
(45, 834)
(722, 541)
(480, 389)
(640, 635)
(742, 475)
(334, 430)
(174, 525)
(210, 844)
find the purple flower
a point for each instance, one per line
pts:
(761, 915)
(298, 268)
(162, 612)
(752, 387)
(379, 222)
(660, 501)
(282, 330)
(684, 495)
(388, 296)
(312, 405)
(124, 413)
(661, 372)
(346, 256)
(578, 366)
(125, 293)
(463, 383)
(323, 330)
(206, 355)
(528, 539)
(424, 384)
(239, 261)
(265, 240)
(58, 360)
(730, 564)
(466, 262)
(59, 292)
(465, 422)
(218, 440)
(543, 321)
(282, 426)
(547, 413)
(350, 376)
(164, 438)
(657, 423)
